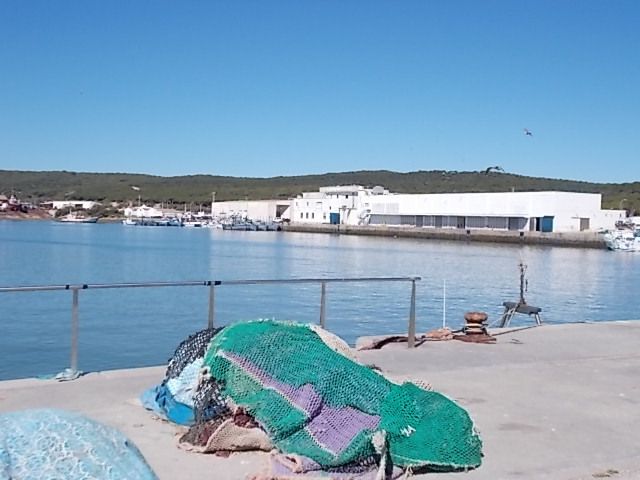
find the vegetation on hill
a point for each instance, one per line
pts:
(105, 187)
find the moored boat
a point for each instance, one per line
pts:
(73, 217)
(192, 223)
(627, 240)
(153, 222)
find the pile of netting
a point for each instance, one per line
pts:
(293, 388)
(52, 444)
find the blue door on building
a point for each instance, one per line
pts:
(334, 218)
(547, 224)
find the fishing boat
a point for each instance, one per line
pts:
(153, 222)
(73, 217)
(212, 224)
(192, 223)
(625, 239)
(239, 225)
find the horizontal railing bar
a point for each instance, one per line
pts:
(34, 288)
(319, 280)
(148, 284)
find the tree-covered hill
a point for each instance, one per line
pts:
(39, 186)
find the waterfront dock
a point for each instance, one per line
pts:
(558, 239)
(554, 402)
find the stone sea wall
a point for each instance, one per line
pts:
(561, 239)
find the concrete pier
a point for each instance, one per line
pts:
(558, 239)
(556, 402)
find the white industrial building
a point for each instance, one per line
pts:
(143, 211)
(77, 204)
(259, 210)
(346, 204)
(517, 211)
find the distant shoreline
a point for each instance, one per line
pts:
(48, 218)
(24, 216)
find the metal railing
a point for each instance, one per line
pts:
(213, 284)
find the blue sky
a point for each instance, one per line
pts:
(269, 88)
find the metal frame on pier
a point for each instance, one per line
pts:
(213, 285)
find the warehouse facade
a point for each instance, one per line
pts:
(547, 211)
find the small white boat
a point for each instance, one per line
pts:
(153, 222)
(192, 223)
(627, 240)
(174, 222)
(73, 217)
(212, 224)
(239, 225)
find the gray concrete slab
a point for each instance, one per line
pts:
(554, 402)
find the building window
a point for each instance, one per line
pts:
(584, 224)
(307, 215)
(324, 216)
(301, 215)
(476, 222)
(497, 223)
(312, 215)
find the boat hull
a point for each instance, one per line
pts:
(79, 220)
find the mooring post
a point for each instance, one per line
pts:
(74, 330)
(411, 337)
(323, 304)
(212, 303)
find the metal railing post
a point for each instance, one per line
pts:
(212, 303)
(323, 304)
(74, 331)
(411, 337)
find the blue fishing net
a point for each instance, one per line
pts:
(53, 444)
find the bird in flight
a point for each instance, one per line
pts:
(528, 132)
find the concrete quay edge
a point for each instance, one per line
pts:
(559, 239)
(551, 402)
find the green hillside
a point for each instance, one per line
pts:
(38, 186)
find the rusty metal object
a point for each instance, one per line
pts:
(475, 329)
(475, 317)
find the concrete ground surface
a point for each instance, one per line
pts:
(552, 402)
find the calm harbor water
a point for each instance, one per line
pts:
(138, 327)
